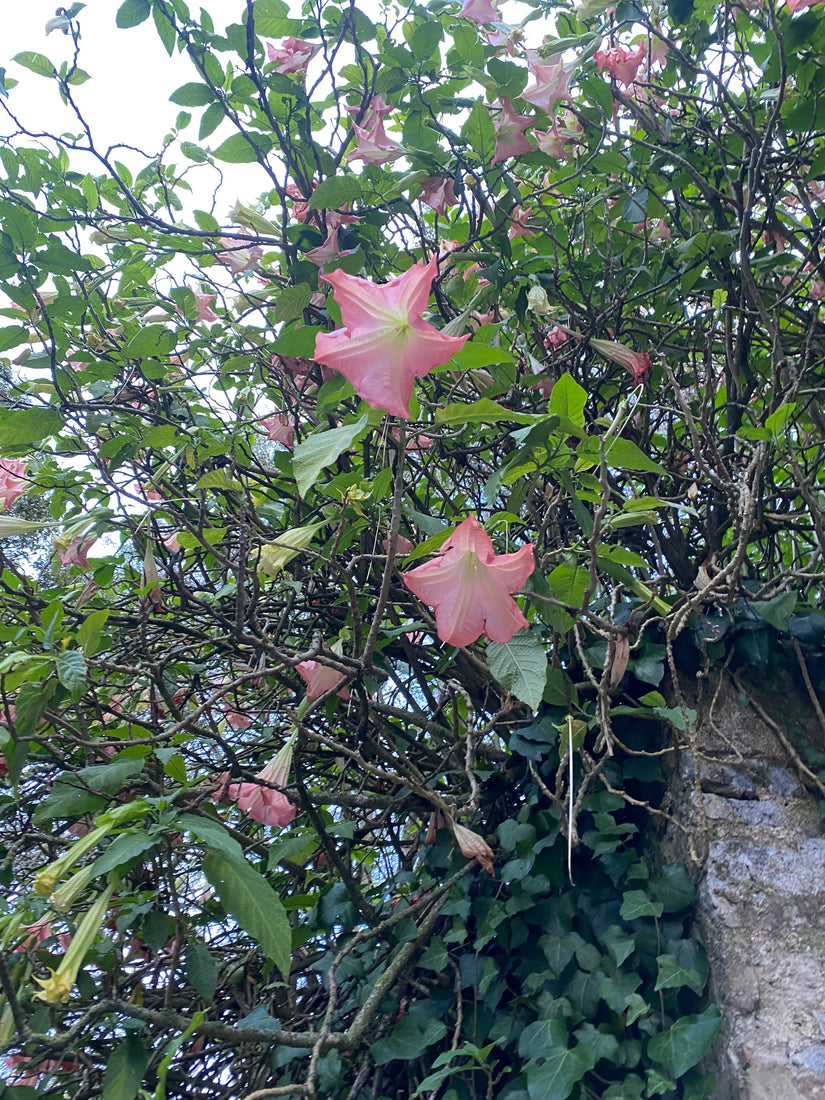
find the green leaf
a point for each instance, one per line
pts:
(552, 1076)
(637, 904)
(483, 411)
(240, 149)
(12, 336)
(125, 1068)
(148, 342)
(122, 850)
(36, 63)
(408, 1039)
(567, 400)
(776, 611)
(71, 672)
(291, 303)
(478, 132)
(30, 705)
(322, 449)
(686, 1042)
(672, 975)
(132, 13)
(219, 479)
(335, 192)
(249, 898)
(211, 833)
(201, 971)
(275, 555)
(520, 666)
(192, 95)
(90, 630)
(19, 427)
(621, 454)
(569, 583)
(211, 119)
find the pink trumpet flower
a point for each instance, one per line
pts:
(203, 307)
(622, 64)
(12, 482)
(294, 54)
(480, 11)
(470, 586)
(320, 679)
(551, 85)
(374, 146)
(279, 429)
(237, 258)
(638, 363)
(385, 343)
(74, 552)
(439, 193)
(510, 133)
(259, 802)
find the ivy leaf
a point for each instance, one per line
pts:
(552, 1076)
(776, 611)
(322, 449)
(637, 904)
(520, 666)
(252, 902)
(672, 975)
(686, 1042)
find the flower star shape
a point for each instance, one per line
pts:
(470, 586)
(385, 343)
(551, 85)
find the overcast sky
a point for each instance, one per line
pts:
(127, 99)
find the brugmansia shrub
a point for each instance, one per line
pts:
(363, 532)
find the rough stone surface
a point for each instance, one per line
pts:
(761, 909)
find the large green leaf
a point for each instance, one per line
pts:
(71, 671)
(132, 13)
(552, 1076)
(483, 411)
(201, 970)
(520, 666)
(125, 1068)
(478, 132)
(322, 449)
(686, 1042)
(249, 898)
(335, 192)
(150, 341)
(240, 149)
(20, 427)
(567, 400)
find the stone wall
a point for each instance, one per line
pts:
(761, 907)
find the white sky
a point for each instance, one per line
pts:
(127, 98)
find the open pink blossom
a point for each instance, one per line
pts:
(637, 362)
(480, 11)
(439, 193)
(237, 720)
(260, 802)
(551, 82)
(518, 223)
(470, 586)
(74, 551)
(279, 429)
(203, 307)
(622, 64)
(374, 146)
(367, 114)
(329, 252)
(236, 257)
(12, 482)
(293, 55)
(509, 130)
(320, 679)
(385, 343)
